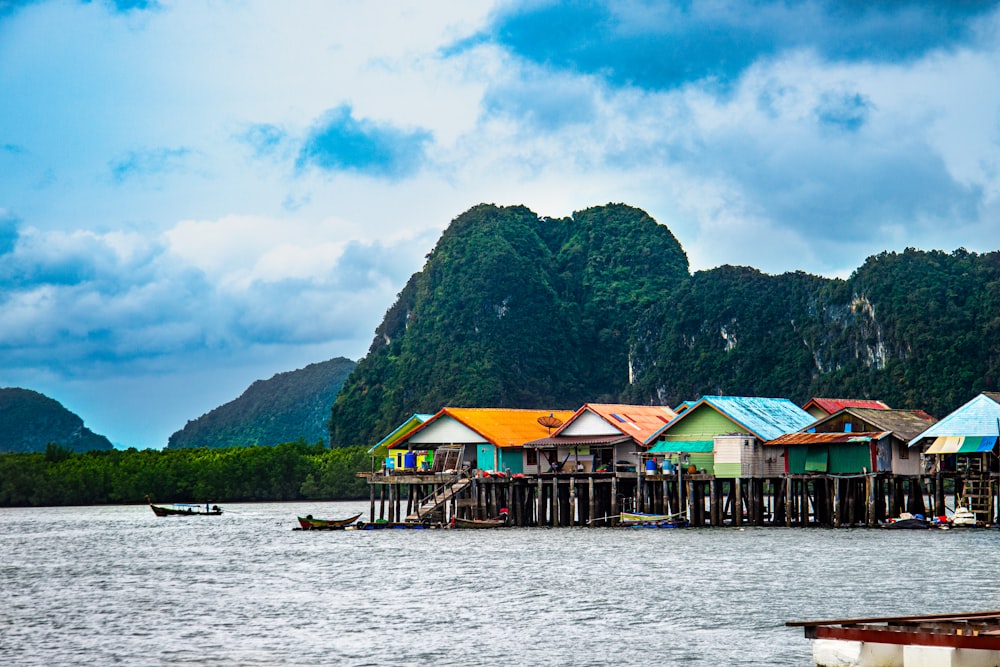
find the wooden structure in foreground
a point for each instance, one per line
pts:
(596, 498)
(955, 640)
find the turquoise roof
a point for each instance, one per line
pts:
(980, 416)
(766, 418)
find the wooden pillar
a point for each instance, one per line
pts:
(789, 487)
(554, 505)
(540, 504)
(572, 501)
(692, 518)
(614, 498)
(592, 501)
(371, 498)
(737, 502)
(713, 503)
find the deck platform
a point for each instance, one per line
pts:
(938, 640)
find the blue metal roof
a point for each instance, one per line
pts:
(766, 418)
(980, 416)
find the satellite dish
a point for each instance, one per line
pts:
(550, 421)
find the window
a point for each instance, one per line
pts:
(904, 451)
(531, 457)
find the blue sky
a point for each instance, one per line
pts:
(196, 195)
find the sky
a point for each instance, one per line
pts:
(196, 195)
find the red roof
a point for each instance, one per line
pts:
(831, 405)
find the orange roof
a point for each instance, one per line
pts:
(831, 405)
(504, 427)
(638, 421)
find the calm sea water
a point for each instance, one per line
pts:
(117, 585)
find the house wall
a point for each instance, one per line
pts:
(745, 456)
(905, 466)
(589, 423)
(703, 424)
(445, 430)
(850, 458)
(486, 457)
(512, 458)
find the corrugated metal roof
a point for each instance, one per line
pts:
(980, 416)
(904, 424)
(637, 421)
(503, 427)
(682, 447)
(766, 418)
(831, 405)
(381, 448)
(577, 440)
(826, 438)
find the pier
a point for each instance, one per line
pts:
(596, 499)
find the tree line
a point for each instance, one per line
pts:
(289, 471)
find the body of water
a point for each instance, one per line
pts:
(117, 585)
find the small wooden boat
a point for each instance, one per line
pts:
(309, 523)
(184, 509)
(499, 521)
(643, 520)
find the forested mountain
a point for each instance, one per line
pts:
(513, 310)
(289, 407)
(30, 421)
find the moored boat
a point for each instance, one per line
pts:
(309, 523)
(497, 522)
(644, 520)
(184, 509)
(964, 517)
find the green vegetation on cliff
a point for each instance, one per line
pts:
(289, 406)
(512, 310)
(30, 421)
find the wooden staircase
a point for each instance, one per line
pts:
(977, 495)
(436, 500)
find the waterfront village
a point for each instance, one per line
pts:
(717, 461)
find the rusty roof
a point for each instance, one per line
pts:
(827, 438)
(577, 440)
(832, 405)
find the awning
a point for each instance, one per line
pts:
(962, 444)
(682, 447)
(577, 441)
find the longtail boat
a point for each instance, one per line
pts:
(184, 509)
(307, 522)
(498, 522)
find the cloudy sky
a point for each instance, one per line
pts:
(195, 195)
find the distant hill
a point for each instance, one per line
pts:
(514, 310)
(288, 407)
(29, 421)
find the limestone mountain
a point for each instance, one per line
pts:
(288, 407)
(30, 421)
(514, 310)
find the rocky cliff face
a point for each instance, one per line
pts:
(512, 310)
